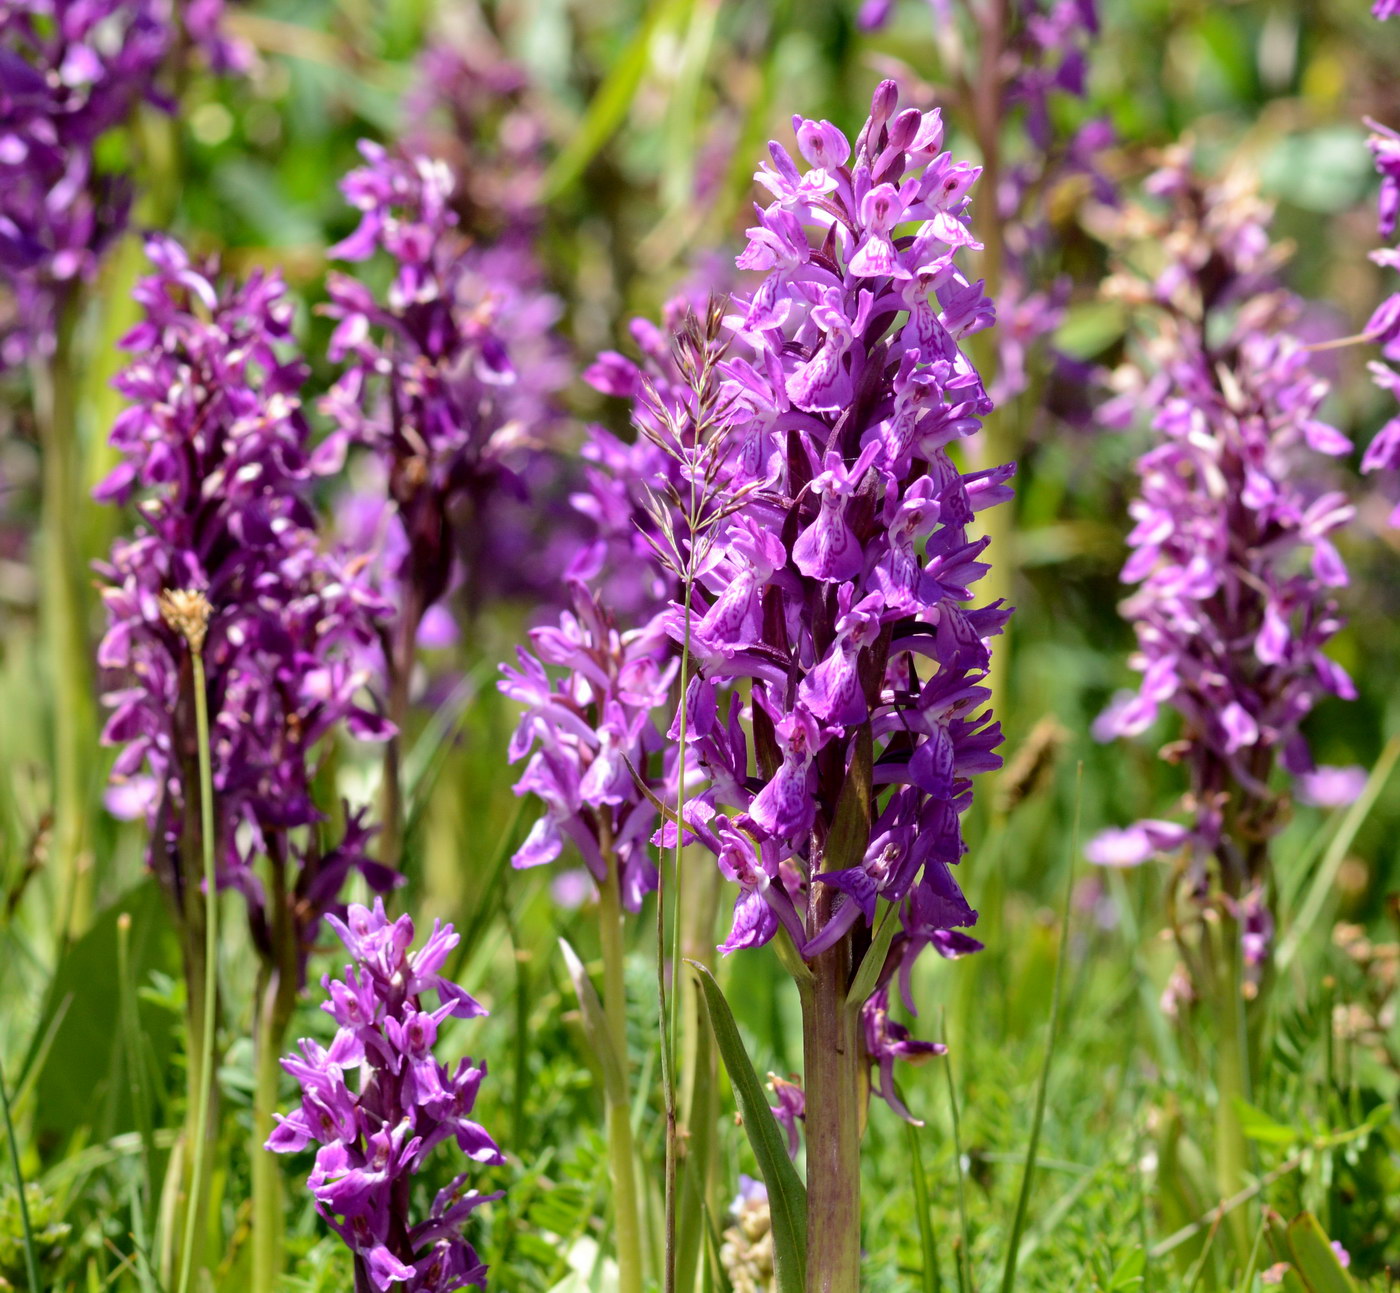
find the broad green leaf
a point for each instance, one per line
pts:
(78, 1083)
(787, 1196)
(1315, 1258)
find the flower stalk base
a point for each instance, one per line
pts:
(835, 1086)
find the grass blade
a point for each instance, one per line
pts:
(787, 1196)
(1324, 883)
(31, 1265)
(1008, 1278)
(965, 1284)
(595, 1026)
(932, 1276)
(608, 107)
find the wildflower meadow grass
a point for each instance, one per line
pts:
(699, 646)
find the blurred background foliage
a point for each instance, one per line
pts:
(654, 116)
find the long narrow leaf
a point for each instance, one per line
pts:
(964, 1265)
(595, 1025)
(874, 959)
(1324, 883)
(787, 1196)
(608, 107)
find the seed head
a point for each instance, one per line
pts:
(187, 611)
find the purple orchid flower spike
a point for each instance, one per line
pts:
(1383, 328)
(373, 1139)
(1233, 554)
(837, 702)
(449, 379)
(214, 451)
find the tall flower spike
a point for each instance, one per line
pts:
(1232, 549)
(820, 531)
(830, 554)
(449, 378)
(213, 449)
(374, 1138)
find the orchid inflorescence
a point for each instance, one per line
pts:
(214, 451)
(823, 530)
(1233, 547)
(374, 1139)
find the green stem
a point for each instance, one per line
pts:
(195, 1205)
(391, 807)
(1232, 1071)
(668, 995)
(31, 1265)
(275, 1004)
(834, 1077)
(699, 1096)
(621, 1152)
(62, 613)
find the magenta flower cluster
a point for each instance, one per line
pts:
(836, 573)
(1383, 328)
(70, 71)
(593, 735)
(1232, 549)
(213, 450)
(449, 378)
(374, 1139)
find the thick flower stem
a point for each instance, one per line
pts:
(834, 1080)
(621, 1152)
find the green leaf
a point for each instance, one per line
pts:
(928, 1248)
(1257, 1125)
(78, 1082)
(1324, 885)
(1013, 1253)
(1315, 1259)
(874, 959)
(787, 1196)
(595, 1026)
